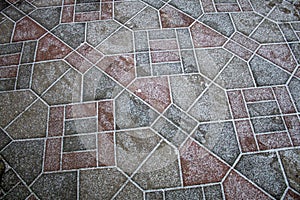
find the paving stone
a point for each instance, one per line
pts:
(3, 5)
(131, 192)
(106, 149)
(263, 109)
(238, 50)
(294, 90)
(154, 195)
(52, 160)
(13, 48)
(23, 32)
(171, 18)
(146, 19)
(6, 29)
(18, 192)
(25, 7)
(56, 185)
(267, 124)
(213, 192)
(106, 116)
(13, 13)
(78, 62)
(246, 22)
(184, 38)
(219, 22)
(162, 34)
(90, 53)
(273, 141)
(189, 61)
(28, 52)
(55, 123)
(143, 64)
(81, 110)
(190, 7)
(9, 180)
(288, 32)
(41, 3)
(263, 7)
(237, 105)
(285, 12)
(125, 10)
(267, 32)
(5, 140)
(266, 172)
(7, 84)
(258, 94)
(293, 125)
(191, 193)
(48, 17)
(167, 68)
(291, 195)
(26, 157)
(155, 3)
(78, 160)
(79, 143)
(141, 41)
(80, 126)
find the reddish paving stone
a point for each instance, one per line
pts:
(105, 116)
(26, 29)
(49, 48)
(291, 195)
(90, 53)
(172, 18)
(199, 166)
(120, 68)
(67, 14)
(245, 41)
(8, 60)
(156, 45)
(8, 72)
(280, 54)
(238, 50)
(237, 104)
(85, 17)
(284, 100)
(154, 91)
(228, 7)
(245, 136)
(237, 187)
(208, 6)
(106, 11)
(169, 56)
(79, 160)
(258, 94)
(293, 125)
(206, 37)
(69, 2)
(78, 62)
(81, 110)
(52, 154)
(273, 141)
(106, 150)
(56, 121)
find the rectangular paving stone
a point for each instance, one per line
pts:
(141, 41)
(10, 48)
(106, 149)
(293, 125)
(81, 126)
(213, 192)
(208, 6)
(105, 116)
(106, 10)
(24, 76)
(52, 154)
(284, 100)
(273, 141)
(87, 7)
(245, 136)
(162, 34)
(79, 143)
(238, 50)
(7, 84)
(267, 124)
(56, 121)
(67, 14)
(81, 110)
(237, 104)
(8, 72)
(167, 68)
(85, 17)
(189, 61)
(227, 7)
(78, 160)
(168, 56)
(263, 109)
(184, 38)
(158, 45)
(28, 52)
(258, 94)
(7, 60)
(157, 195)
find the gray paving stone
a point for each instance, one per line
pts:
(184, 38)
(190, 7)
(10, 48)
(25, 6)
(162, 34)
(18, 192)
(81, 126)
(288, 32)
(246, 22)
(147, 19)
(180, 194)
(141, 41)
(213, 192)
(28, 52)
(167, 68)
(294, 87)
(130, 192)
(126, 10)
(263, 109)
(267, 32)
(189, 61)
(9, 180)
(267, 124)
(13, 13)
(154, 195)
(79, 143)
(48, 17)
(7, 84)
(219, 22)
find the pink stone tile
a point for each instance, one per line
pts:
(79, 160)
(85, 17)
(237, 104)
(81, 110)
(245, 136)
(26, 29)
(8, 60)
(273, 141)
(49, 47)
(203, 36)
(156, 45)
(106, 11)
(245, 41)
(78, 62)
(293, 125)
(228, 7)
(105, 116)
(238, 50)
(245, 5)
(90, 53)
(279, 54)
(291, 195)
(258, 94)
(56, 121)
(208, 6)
(106, 150)
(8, 72)
(168, 56)
(199, 166)
(52, 154)
(154, 91)
(237, 187)
(119, 67)
(69, 2)
(67, 14)
(172, 18)
(284, 100)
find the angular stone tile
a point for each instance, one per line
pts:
(4, 138)
(132, 147)
(8, 180)
(199, 166)
(66, 90)
(266, 172)
(147, 19)
(79, 160)
(211, 106)
(204, 36)
(293, 125)
(273, 141)
(294, 89)
(100, 183)
(189, 61)
(284, 100)
(191, 7)
(220, 22)
(237, 105)
(161, 170)
(56, 121)
(78, 62)
(125, 10)
(28, 52)
(285, 12)
(130, 192)
(20, 191)
(46, 73)
(26, 29)
(291, 163)
(132, 112)
(106, 116)
(11, 106)
(72, 34)
(184, 38)
(246, 22)
(167, 68)
(154, 91)
(238, 50)
(79, 126)
(237, 187)
(26, 157)
(291, 195)
(99, 30)
(13, 13)
(296, 51)
(186, 89)
(220, 138)
(190, 193)
(171, 18)
(106, 149)
(90, 53)
(267, 124)
(265, 73)
(47, 17)
(25, 6)
(288, 32)
(31, 124)
(79, 143)
(53, 151)
(258, 94)
(6, 29)
(56, 185)
(49, 47)
(267, 32)
(263, 109)
(213, 192)
(158, 195)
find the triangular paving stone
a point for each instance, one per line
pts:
(146, 19)
(265, 73)
(5, 140)
(266, 172)
(31, 124)
(235, 75)
(154, 91)
(294, 87)
(161, 170)
(268, 32)
(131, 112)
(211, 106)
(49, 48)
(130, 192)
(119, 42)
(190, 7)
(13, 103)
(125, 10)
(199, 166)
(46, 73)
(26, 29)
(47, 17)
(100, 183)
(206, 37)
(172, 18)
(97, 85)
(72, 34)
(100, 30)
(66, 90)
(26, 157)
(56, 186)
(246, 22)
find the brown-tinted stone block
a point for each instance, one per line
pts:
(284, 100)
(26, 29)
(8, 60)
(245, 136)
(85, 17)
(169, 56)
(81, 110)
(291, 195)
(67, 14)
(293, 125)
(78, 62)
(106, 150)
(258, 94)
(69, 2)
(238, 50)
(52, 154)
(273, 141)
(237, 104)
(90, 53)
(79, 160)
(172, 18)
(56, 121)
(105, 116)
(208, 6)
(8, 72)
(106, 11)
(228, 7)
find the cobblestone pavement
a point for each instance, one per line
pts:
(150, 99)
